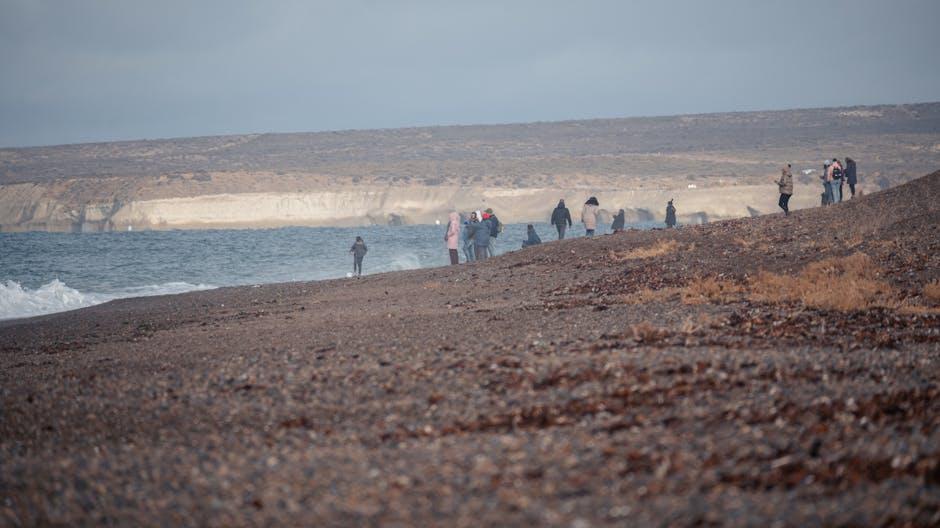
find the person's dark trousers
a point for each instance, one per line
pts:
(480, 252)
(840, 190)
(357, 265)
(589, 232)
(785, 203)
(561, 231)
(852, 189)
(454, 258)
(829, 196)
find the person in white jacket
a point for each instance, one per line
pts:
(452, 237)
(589, 216)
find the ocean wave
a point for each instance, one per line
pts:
(55, 296)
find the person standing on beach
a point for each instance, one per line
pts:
(452, 237)
(670, 215)
(827, 184)
(619, 221)
(850, 175)
(359, 251)
(468, 239)
(495, 227)
(835, 179)
(479, 229)
(785, 183)
(589, 216)
(561, 219)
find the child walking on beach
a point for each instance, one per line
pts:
(358, 250)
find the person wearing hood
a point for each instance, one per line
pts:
(619, 221)
(479, 232)
(359, 251)
(589, 216)
(670, 215)
(452, 237)
(561, 219)
(785, 183)
(533, 237)
(467, 239)
(851, 177)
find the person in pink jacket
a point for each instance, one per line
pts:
(452, 237)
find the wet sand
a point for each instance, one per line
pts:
(578, 383)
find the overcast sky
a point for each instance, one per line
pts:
(80, 71)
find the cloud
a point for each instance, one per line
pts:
(101, 70)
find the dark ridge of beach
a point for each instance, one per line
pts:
(779, 370)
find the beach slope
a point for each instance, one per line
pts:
(771, 369)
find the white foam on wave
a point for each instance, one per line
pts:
(55, 296)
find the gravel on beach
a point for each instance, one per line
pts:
(577, 383)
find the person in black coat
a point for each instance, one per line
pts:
(561, 219)
(619, 221)
(850, 175)
(533, 237)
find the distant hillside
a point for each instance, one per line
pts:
(67, 187)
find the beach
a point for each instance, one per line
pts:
(750, 371)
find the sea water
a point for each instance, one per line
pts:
(43, 273)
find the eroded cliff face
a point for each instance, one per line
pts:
(41, 207)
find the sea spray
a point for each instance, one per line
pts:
(55, 296)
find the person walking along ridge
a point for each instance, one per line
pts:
(452, 237)
(785, 183)
(561, 219)
(589, 216)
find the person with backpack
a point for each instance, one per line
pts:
(835, 169)
(480, 233)
(851, 177)
(452, 237)
(785, 183)
(619, 221)
(670, 215)
(359, 251)
(496, 227)
(589, 216)
(561, 219)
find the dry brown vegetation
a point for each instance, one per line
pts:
(660, 248)
(841, 283)
(932, 291)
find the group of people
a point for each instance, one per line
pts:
(834, 175)
(480, 232)
(561, 218)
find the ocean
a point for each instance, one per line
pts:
(43, 273)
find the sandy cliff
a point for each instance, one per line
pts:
(41, 207)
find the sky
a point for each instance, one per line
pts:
(97, 70)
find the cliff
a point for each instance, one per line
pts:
(35, 207)
(715, 166)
